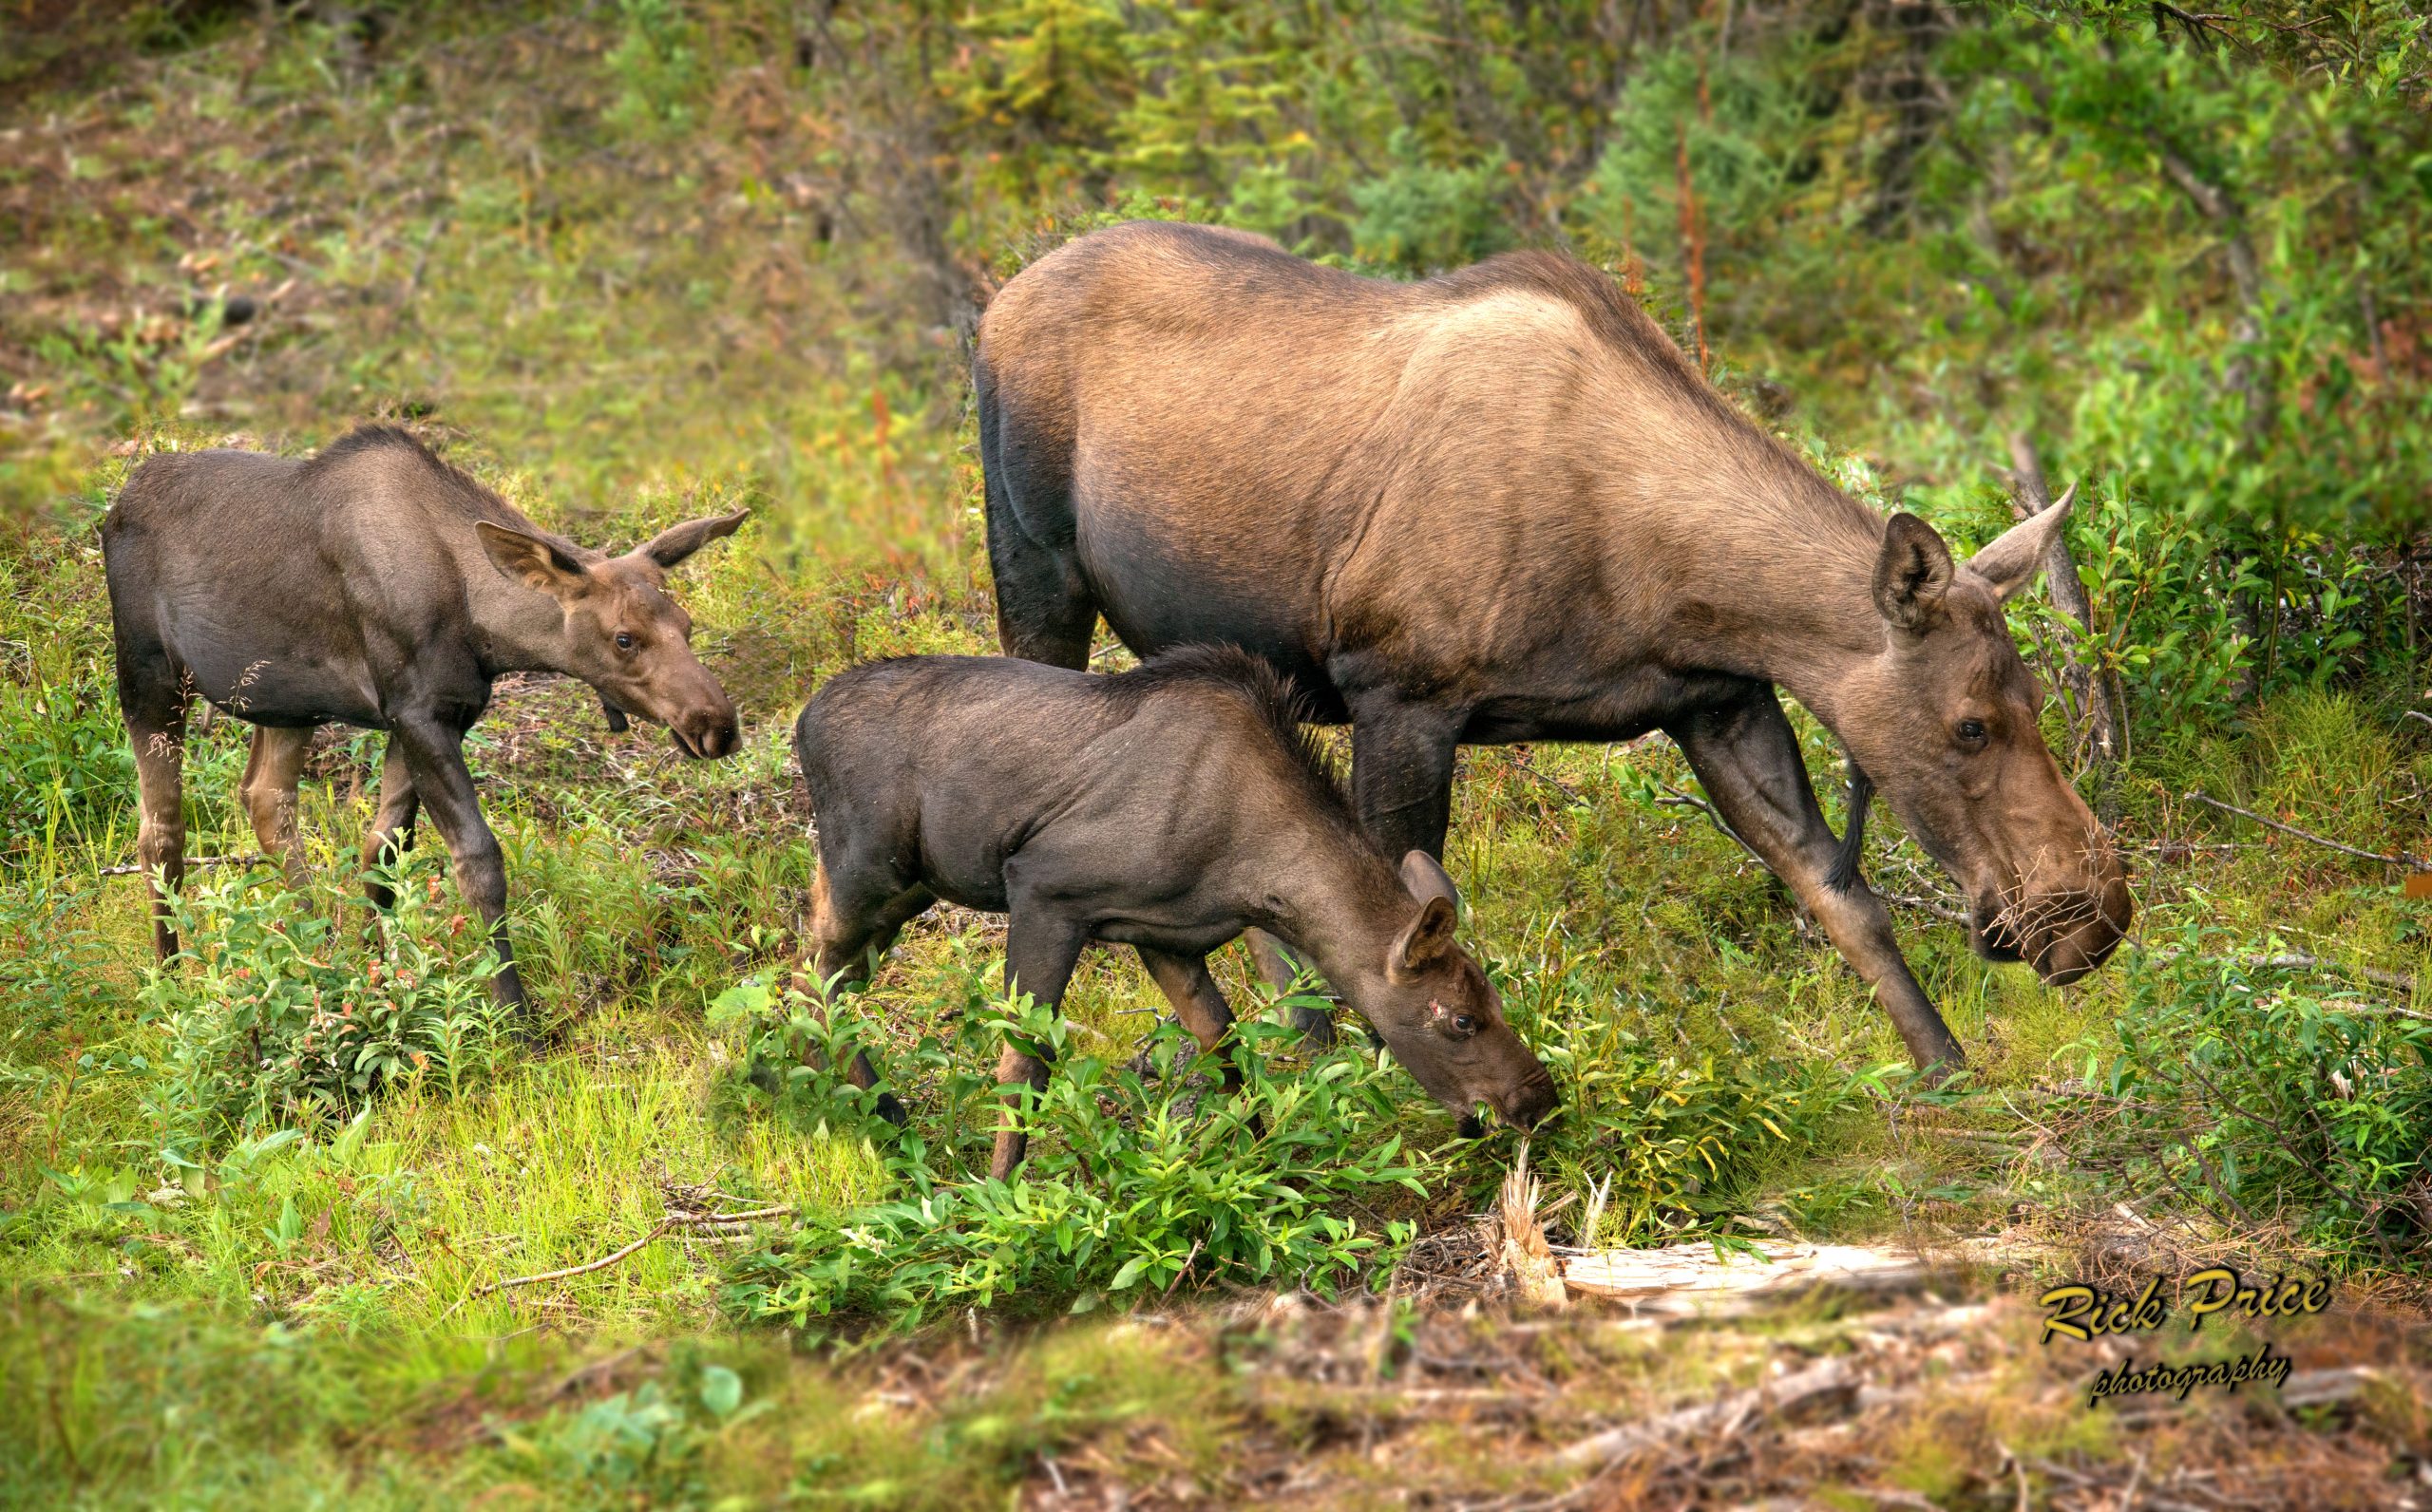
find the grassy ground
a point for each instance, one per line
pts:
(605, 295)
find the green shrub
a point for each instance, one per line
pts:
(272, 1015)
(2263, 1102)
(1673, 1143)
(66, 770)
(1132, 1182)
(658, 67)
(1421, 216)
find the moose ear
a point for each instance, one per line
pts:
(2013, 558)
(532, 561)
(1912, 574)
(1424, 878)
(1428, 937)
(1425, 941)
(676, 542)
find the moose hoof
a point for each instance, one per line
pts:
(891, 1108)
(1317, 1026)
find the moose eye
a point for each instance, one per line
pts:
(1971, 730)
(1464, 1024)
(625, 641)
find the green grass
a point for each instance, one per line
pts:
(619, 324)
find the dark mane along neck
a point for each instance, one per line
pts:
(398, 446)
(1281, 708)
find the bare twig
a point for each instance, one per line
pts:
(1927, 905)
(1674, 798)
(138, 868)
(1785, 1397)
(2412, 863)
(710, 1221)
(600, 1264)
(2289, 961)
(2089, 686)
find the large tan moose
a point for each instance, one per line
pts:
(373, 585)
(1499, 506)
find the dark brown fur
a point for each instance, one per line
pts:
(1500, 505)
(373, 585)
(1168, 809)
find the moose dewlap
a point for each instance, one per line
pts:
(1168, 809)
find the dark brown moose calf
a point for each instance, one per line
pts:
(373, 585)
(1168, 809)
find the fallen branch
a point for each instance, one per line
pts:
(2288, 961)
(138, 868)
(2410, 863)
(2325, 1387)
(1693, 1277)
(1674, 798)
(601, 1264)
(712, 1221)
(1927, 905)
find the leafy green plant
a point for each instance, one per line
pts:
(2265, 1102)
(269, 1016)
(1423, 216)
(657, 67)
(66, 770)
(1673, 1140)
(1137, 1177)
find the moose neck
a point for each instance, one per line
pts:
(1807, 622)
(1773, 571)
(1343, 906)
(517, 628)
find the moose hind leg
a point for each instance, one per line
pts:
(273, 771)
(845, 941)
(159, 735)
(1044, 608)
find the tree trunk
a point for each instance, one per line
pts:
(2096, 691)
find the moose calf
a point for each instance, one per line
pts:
(1169, 809)
(373, 585)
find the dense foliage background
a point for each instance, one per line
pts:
(631, 262)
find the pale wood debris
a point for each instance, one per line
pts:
(1698, 1277)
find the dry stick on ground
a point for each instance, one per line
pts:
(2293, 961)
(673, 1222)
(1787, 1397)
(2415, 863)
(138, 868)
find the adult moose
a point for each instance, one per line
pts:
(1499, 506)
(375, 585)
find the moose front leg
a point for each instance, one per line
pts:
(435, 758)
(393, 828)
(1041, 949)
(1198, 1003)
(1747, 756)
(1402, 779)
